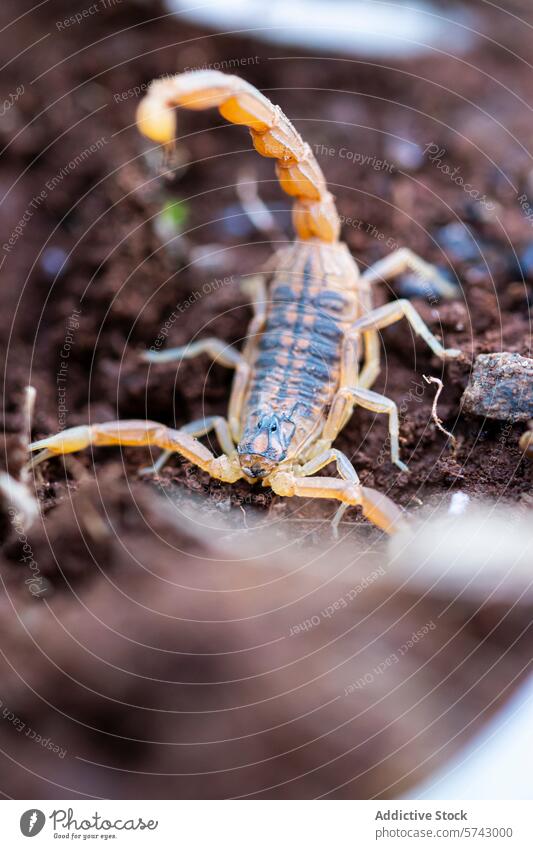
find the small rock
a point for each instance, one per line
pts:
(236, 222)
(477, 212)
(457, 239)
(526, 261)
(414, 286)
(500, 387)
(211, 257)
(53, 261)
(406, 154)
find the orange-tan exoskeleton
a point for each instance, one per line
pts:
(312, 349)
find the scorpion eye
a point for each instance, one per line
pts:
(273, 428)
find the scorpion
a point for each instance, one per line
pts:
(312, 349)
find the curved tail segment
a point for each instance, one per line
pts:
(273, 135)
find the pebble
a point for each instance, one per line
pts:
(500, 387)
(415, 286)
(404, 153)
(53, 261)
(457, 239)
(236, 222)
(526, 261)
(211, 257)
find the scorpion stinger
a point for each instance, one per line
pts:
(273, 136)
(298, 378)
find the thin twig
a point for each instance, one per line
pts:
(434, 414)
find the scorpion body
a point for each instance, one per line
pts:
(296, 364)
(298, 377)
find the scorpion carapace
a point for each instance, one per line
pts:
(312, 350)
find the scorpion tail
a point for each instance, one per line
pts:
(273, 135)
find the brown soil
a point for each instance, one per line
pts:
(98, 662)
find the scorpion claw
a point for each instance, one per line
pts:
(65, 442)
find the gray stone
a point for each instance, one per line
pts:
(500, 387)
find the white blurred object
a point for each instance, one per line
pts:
(496, 764)
(370, 28)
(484, 553)
(458, 504)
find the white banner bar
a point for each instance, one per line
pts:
(264, 824)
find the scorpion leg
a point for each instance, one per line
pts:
(371, 343)
(371, 366)
(390, 313)
(344, 466)
(220, 352)
(255, 288)
(341, 409)
(217, 349)
(228, 356)
(377, 508)
(136, 432)
(199, 427)
(405, 260)
(345, 470)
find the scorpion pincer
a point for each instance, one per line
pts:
(312, 350)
